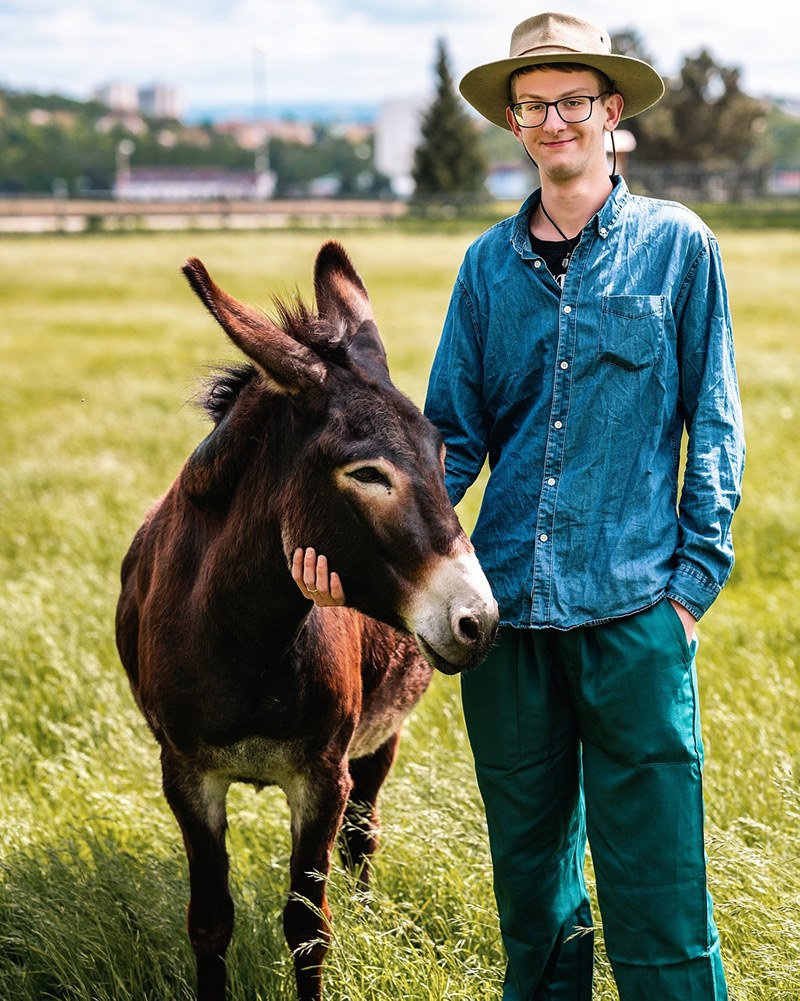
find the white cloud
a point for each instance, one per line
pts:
(363, 50)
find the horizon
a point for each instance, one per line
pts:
(325, 112)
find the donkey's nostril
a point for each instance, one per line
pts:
(469, 629)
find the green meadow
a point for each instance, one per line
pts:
(102, 351)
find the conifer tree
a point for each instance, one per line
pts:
(449, 159)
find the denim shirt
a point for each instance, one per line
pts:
(579, 398)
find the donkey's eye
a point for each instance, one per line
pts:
(369, 474)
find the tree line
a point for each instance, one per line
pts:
(704, 119)
(52, 143)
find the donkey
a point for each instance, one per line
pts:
(239, 676)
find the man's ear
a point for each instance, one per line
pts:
(614, 106)
(512, 123)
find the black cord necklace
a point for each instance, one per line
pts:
(571, 244)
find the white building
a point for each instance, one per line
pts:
(156, 101)
(180, 184)
(118, 96)
(511, 182)
(397, 135)
(160, 101)
(624, 143)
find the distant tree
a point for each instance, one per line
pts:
(782, 138)
(346, 163)
(449, 159)
(48, 139)
(704, 116)
(716, 121)
(656, 124)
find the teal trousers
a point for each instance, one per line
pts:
(595, 732)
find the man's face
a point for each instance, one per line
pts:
(560, 149)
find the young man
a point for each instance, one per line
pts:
(584, 336)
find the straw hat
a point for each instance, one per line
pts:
(560, 38)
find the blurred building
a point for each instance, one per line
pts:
(176, 184)
(511, 182)
(397, 135)
(156, 101)
(253, 135)
(624, 142)
(118, 96)
(160, 101)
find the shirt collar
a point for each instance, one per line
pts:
(602, 221)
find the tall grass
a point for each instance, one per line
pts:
(101, 347)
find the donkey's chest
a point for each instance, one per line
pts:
(255, 759)
(268, 759)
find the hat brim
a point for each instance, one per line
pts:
(486, 87)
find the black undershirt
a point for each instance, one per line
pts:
(552, 253)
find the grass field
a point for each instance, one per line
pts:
(101, 349)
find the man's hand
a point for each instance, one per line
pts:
(310, 573)
(686, 617)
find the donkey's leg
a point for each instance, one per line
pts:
(361, 828)
(317, 803)
(198, 802)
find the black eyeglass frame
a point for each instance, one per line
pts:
(555, 104)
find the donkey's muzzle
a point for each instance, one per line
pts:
(455, 616)
(469, 646)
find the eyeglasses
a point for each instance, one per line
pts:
(532, 114)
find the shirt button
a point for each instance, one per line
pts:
(537, 264)
(568, 309)
(603, 231)
(565, 364)
(551, 482)
(542, 538)
(558, 424)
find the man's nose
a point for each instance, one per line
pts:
(553, 122)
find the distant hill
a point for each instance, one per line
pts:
(50, 144)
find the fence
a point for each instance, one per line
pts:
(57, 215)
(690, 182)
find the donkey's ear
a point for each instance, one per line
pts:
(340, 292)
(287, 367)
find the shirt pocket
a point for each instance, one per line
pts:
(631, 330)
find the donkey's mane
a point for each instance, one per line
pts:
(320, 334)
(222, 389)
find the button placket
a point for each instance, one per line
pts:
(544, 552)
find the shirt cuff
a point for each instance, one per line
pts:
(692, 590)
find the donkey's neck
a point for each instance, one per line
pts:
(253, 595)
(233, 482)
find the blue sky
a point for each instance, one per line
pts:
(250, 52)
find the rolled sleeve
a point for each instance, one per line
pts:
(712, 412)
